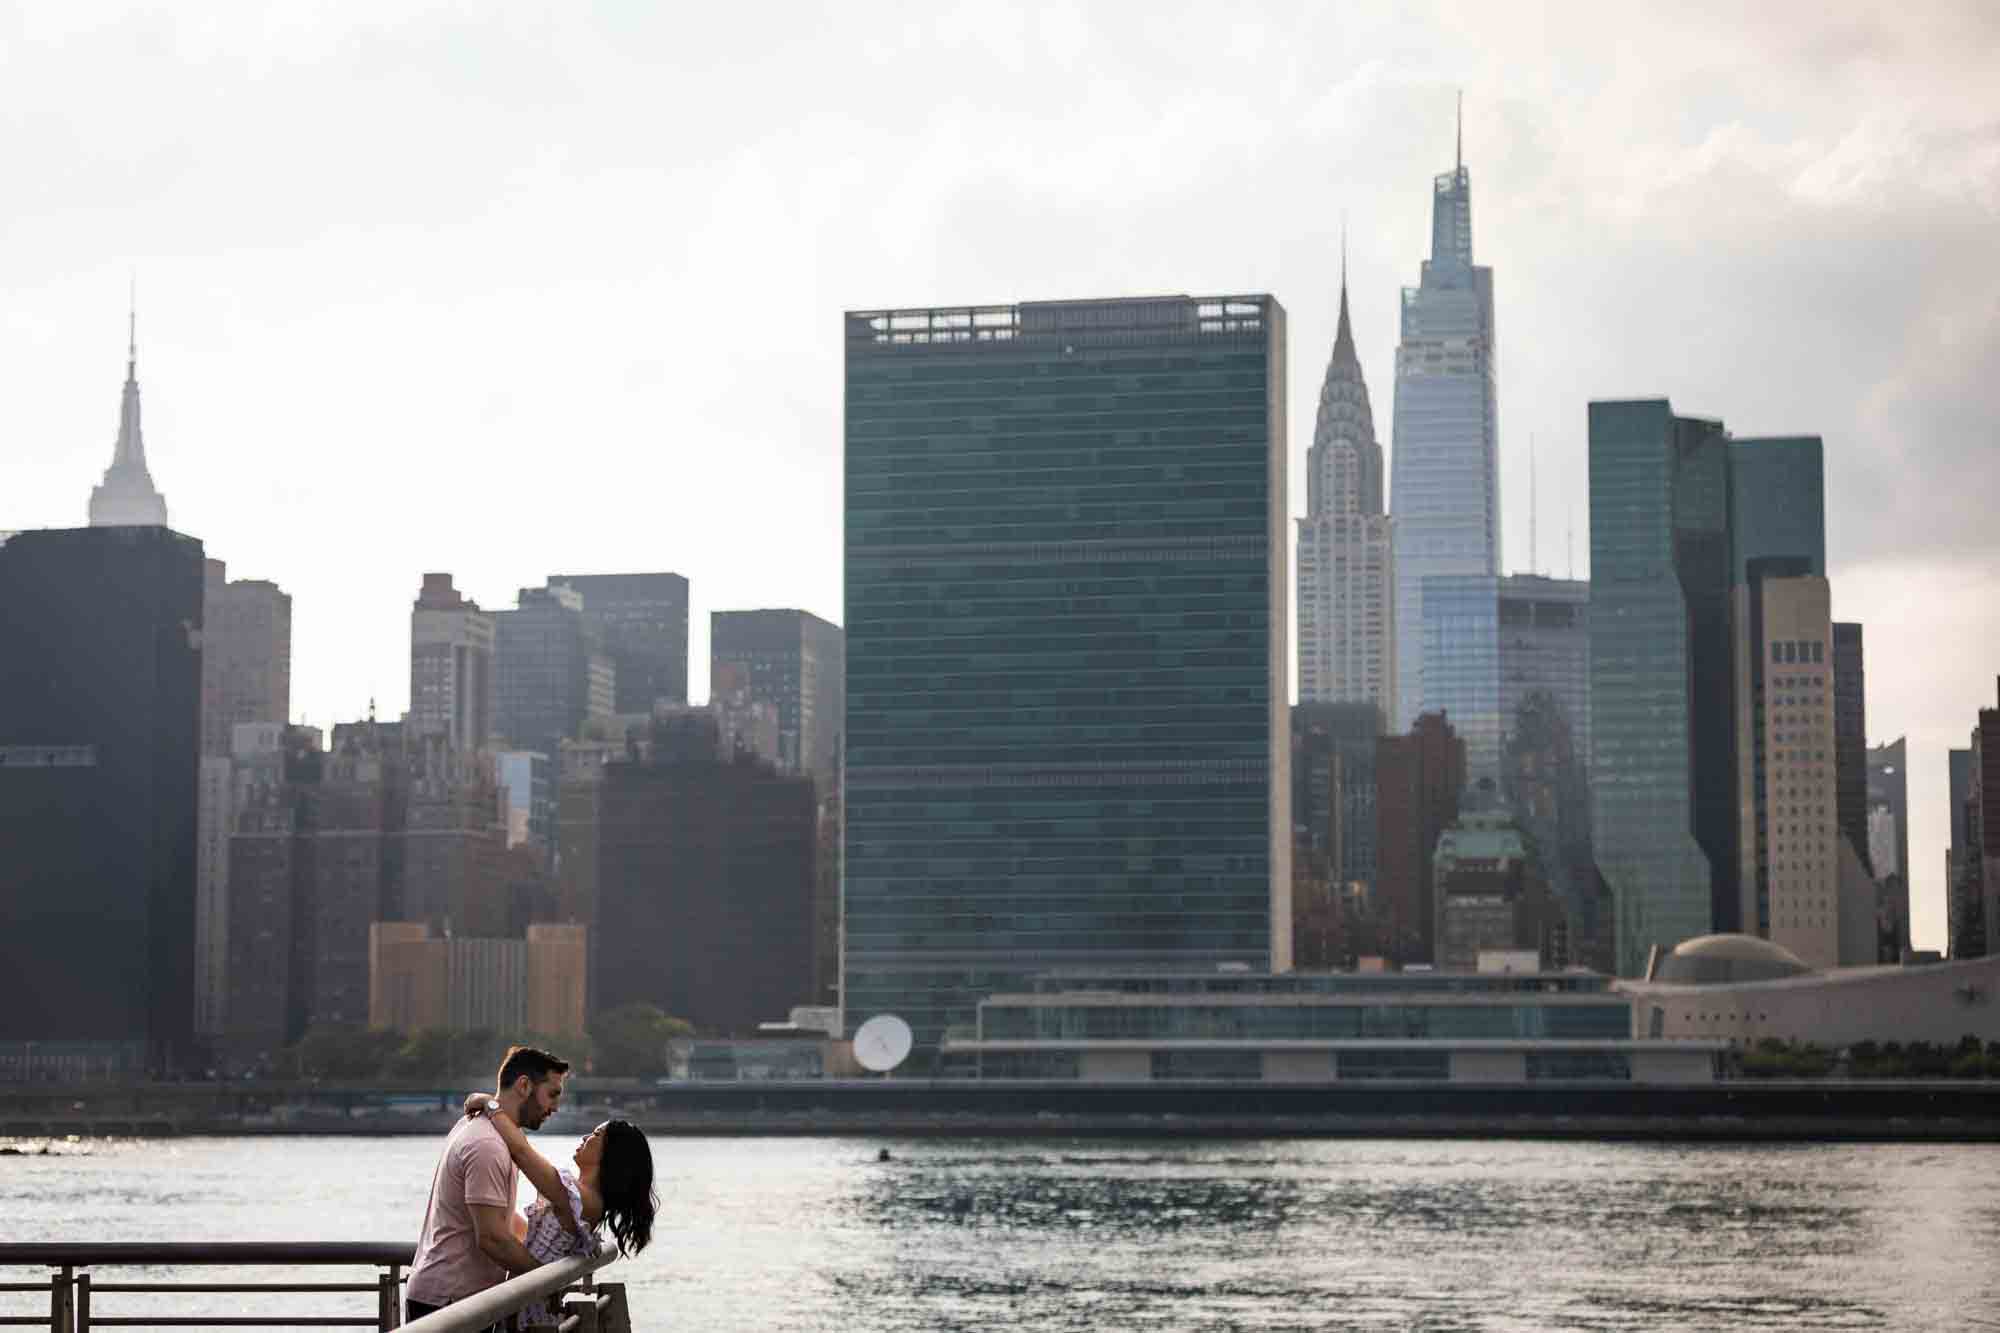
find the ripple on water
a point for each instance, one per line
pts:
(993, 1235)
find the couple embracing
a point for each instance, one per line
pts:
(472, 1237)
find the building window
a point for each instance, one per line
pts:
(1580, 1064)
(1208, 1064)
(1393, 1064)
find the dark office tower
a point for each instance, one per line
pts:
(1982, 835)
(704, 895)
(1419, 779)
(552, 670)
(1066, 646)
(1444, 478)
(1889, 844)
(1966, 918)
(1663, 772)
(127, 496)
(795, 662)
(1959, 789)
(351, 824)
(270, 869)
(1850, 740)
(642, 621)
(451, 666)
(1333, 791)
(100, 734)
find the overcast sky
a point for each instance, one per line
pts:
(508, 290)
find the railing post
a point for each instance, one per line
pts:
(83, 1303)
(62, 1315)
(613, 1315)
(386, 1304)
(584, 1308)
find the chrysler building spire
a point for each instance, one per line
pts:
(1346, 579)
(127, 496)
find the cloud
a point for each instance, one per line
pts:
(424, 288)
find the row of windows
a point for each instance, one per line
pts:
(1303, 1022)
(1785, 651)
(1248, 1066)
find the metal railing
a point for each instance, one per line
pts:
(596, 1312)
(76, 1305)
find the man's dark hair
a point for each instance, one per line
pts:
(536, 1064)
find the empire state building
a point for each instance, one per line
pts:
(127, 496)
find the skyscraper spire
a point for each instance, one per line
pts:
(1445, 483)
(1343, 337)
(127, 496)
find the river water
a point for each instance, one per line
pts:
(817, 1234)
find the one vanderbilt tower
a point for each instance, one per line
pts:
(1444, 481)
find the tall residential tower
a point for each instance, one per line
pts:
(452, 680)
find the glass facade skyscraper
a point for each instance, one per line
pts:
(793, 661)
(1461, 666)
(550, 669)
(642, 622)
(1067, 737)
(1507, 660)
(1663, 773)
(1444, 479)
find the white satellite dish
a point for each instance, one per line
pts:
(882, 1043)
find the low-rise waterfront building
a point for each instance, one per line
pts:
(1742, 990)
(1301, 1027)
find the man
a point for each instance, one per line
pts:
(468, 1239)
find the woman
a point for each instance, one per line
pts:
(611, 1186)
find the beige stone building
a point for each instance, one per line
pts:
(418, 980)
(1797, 872)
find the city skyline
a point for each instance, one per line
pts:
(1833, 291)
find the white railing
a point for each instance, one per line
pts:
(477, 1313)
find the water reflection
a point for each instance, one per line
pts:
(991, 1235)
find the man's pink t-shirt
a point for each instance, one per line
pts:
(475, 1169)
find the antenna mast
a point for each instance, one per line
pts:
(1534, 549)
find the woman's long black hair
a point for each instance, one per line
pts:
(625, 1178)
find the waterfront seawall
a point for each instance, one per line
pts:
(1741, 1110)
